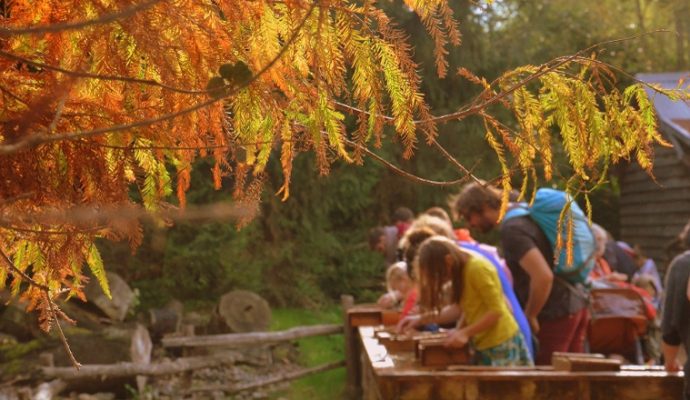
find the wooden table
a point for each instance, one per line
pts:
(398, 375)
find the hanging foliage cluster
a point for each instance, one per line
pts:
(102, 96)
(596, 125)
(98, 97)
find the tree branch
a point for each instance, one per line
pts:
(63, 339)
(14, 270)
(453, 160)
(46, 291)
(66, 26)
(208, 147)
(37, 139)
(104, 77)
(404, 173)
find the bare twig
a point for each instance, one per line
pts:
(404, 173)
(46, 290)
(14, 270)
(453, 160)
(12, 95)
(58, 112)
(63, 339)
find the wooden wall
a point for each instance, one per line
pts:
(653, 213)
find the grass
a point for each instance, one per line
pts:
(314, 351)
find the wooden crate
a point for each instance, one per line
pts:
(397, 343)
(371, 316)
(581, 362)
(433, 353)
(403, 342)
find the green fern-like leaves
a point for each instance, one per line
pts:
(595, 126)
(95, 263)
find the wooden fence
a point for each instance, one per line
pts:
(229, 351)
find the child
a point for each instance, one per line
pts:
(475, 289)
(400, 288)
(415, 236)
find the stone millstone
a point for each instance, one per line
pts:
(244, 311)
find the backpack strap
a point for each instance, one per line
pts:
(522, 209)
(516, 210)
(582, 294)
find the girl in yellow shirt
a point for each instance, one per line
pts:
(489, 326)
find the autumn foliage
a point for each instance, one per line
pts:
(99, 97)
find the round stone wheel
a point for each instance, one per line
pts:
(244, 311)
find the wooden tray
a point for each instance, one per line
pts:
(432, 353)
(371, 316)
(581, 362)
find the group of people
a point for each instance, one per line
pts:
(517, 308)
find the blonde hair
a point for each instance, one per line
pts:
(440, 213)
(395, 270)
(437, 225)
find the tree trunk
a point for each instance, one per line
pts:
(131, 369)
(164, 320)
(244, 311)
(111, 345)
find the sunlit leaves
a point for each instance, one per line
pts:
(595, 125)
(242, 82)
(95, 263)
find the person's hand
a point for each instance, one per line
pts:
(408, 323)
(387, 300)
(534, 324)
(457, 338)
(672, 365)
(617, 277)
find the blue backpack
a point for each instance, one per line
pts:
(546, 212)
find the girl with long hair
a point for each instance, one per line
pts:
(463, 283)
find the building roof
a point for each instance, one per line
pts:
(673, 114)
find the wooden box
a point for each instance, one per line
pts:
(432, 353)
(390, 317)
(583, 362)
(428, 337)
(397, 343)
(371, 316)
(364, 317)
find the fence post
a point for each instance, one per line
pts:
(353, 384)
